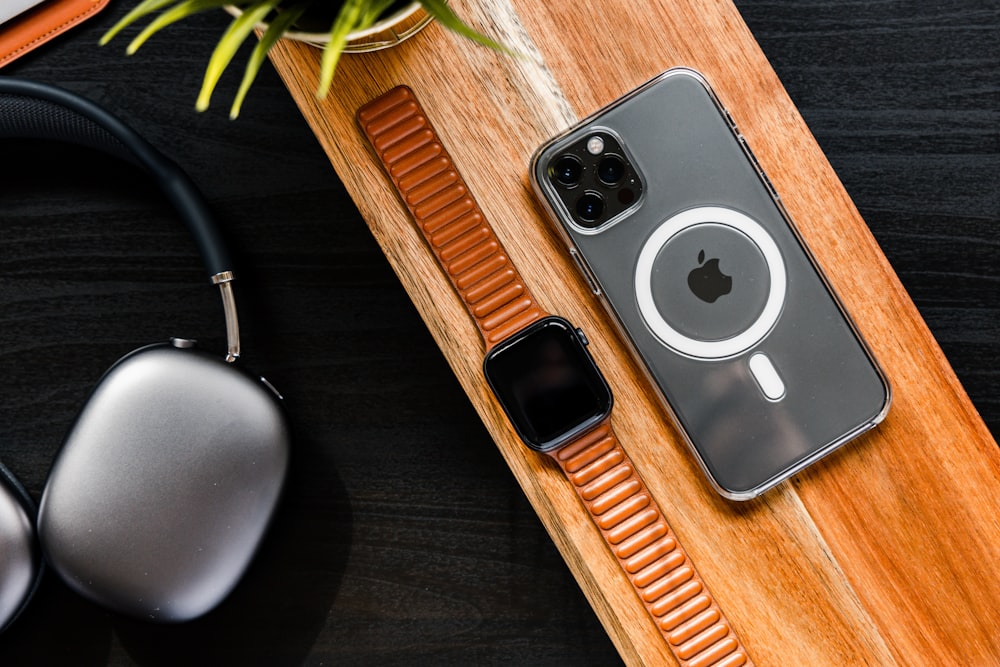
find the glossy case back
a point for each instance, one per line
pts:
(710, 284)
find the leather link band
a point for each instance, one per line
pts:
(622, 508)
(448, 215)
(648, 551)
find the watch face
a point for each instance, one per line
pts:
(547, 384)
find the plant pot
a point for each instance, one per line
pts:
(393, 29)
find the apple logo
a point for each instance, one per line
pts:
(707, 281)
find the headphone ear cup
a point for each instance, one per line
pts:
(165, 484)
(167, 481)
(20, 564)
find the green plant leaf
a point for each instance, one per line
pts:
(172, 15)
(347, 20)
(229, 43)
(353, 15)
(140, 10)
(440, 10)
(275, 30)
(373, 12)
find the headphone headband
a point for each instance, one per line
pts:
(32, 110)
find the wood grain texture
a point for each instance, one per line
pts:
(870, 557)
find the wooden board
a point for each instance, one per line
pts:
(882, 554)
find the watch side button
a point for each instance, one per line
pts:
(766, 376)
(583, 336)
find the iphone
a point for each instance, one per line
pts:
(682, 238)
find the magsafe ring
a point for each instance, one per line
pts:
(725, 327)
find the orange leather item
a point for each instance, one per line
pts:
(40, 24)
(624, 511)
(653, 560)
(448, 215)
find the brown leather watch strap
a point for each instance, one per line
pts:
(615, 496)
(447, 214)
(647, 550)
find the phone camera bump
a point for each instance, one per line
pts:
(611, 170)
(593, 179)
(566, 171)
(590, 207)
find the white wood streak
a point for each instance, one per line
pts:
(526, 75)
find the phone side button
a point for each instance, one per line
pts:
(767, 182)
(756, 166)
(767, 377)
(585, 270)
(730, 121)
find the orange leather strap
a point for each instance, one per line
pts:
(622, 508)
(448, 215)
(40, 24)
(660, 571)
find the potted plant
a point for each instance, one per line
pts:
(332, 22)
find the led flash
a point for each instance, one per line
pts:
(595, 145)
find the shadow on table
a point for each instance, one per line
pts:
(275, 613)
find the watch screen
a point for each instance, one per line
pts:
(547, 383)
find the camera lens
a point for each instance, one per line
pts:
(590, 207)
(610, 169)
(567, 170)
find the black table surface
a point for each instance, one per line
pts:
(403, 538)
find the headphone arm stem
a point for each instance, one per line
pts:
(224, 280)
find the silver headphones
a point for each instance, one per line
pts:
(166, 483)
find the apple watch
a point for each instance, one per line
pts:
(547, 384)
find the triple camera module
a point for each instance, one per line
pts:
(595, 180)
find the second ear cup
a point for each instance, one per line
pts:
(19, 562)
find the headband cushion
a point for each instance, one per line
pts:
(33, 110)
(23, 117)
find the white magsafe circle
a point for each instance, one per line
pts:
(710, 349)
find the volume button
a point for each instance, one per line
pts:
(770, 186)
(729, 120)
(757, 167)
(585, 270)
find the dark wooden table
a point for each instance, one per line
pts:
(403, 538)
